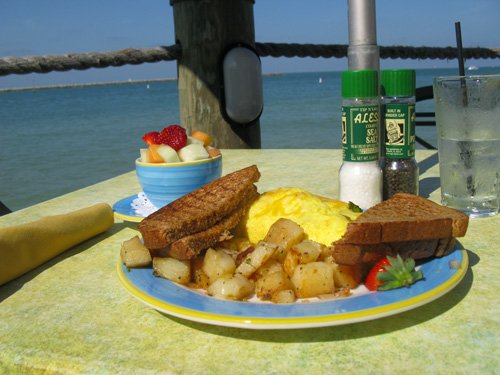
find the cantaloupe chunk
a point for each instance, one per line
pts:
(207, 140)
(152, 155)
(213, 152)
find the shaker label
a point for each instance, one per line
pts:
(360, 133)
(399, 130)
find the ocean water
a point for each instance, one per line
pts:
(54, 141)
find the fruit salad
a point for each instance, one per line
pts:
(173, 145)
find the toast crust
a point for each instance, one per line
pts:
(198, 210)
(350, 254)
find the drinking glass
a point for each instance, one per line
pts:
(468, 131)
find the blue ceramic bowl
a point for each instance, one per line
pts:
(165, 182)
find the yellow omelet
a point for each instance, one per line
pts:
(323, 219)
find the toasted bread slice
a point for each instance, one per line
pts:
(406, 224)
(190, 246)
(405, 217)
(199, 210)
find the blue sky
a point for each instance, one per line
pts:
(34, 27)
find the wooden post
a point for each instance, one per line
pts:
(204, 29)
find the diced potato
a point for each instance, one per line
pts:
(243, 255)
(235, 243)
(134, 253)
(216, 264)
(233, 287)
(198, 277)
(347, 276)
(339, 293)
(272, 283)
(305, 252)
(284, 233)
(272, 265)
(284, 296)
(327, 258)
(231, 252)
(312, 279)
(172, 269)
(243, 244)
(263, 251)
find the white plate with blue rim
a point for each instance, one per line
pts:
(191, 304)
(134, 208)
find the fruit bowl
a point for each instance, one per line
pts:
(165, 182)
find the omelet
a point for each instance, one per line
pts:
(324, 220)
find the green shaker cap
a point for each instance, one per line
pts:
(359, 83)
(397, 82)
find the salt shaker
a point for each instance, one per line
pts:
(399, 167)
(360, 176)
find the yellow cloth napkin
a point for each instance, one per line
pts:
(24, 247)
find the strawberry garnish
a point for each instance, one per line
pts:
(151, 138)
(391, 273)
(174, 136)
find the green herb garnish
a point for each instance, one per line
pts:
(354, 208)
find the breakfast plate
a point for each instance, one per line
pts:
(179, 301)
(134, 208)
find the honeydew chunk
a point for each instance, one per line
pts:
(193, 152)
(192, 140)
(168, 154)
(144, 152)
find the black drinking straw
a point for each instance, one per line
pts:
(460, 56)
(465, 150)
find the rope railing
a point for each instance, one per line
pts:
(132, 56)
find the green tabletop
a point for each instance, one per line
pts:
(72, 315)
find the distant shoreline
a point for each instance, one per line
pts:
(87, 84)
(103, 84)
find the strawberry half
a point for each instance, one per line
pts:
(174, 136)
(391, 273)
(151, 138)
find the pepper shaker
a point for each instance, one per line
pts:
(400, 170)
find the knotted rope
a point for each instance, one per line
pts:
(131, 56)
